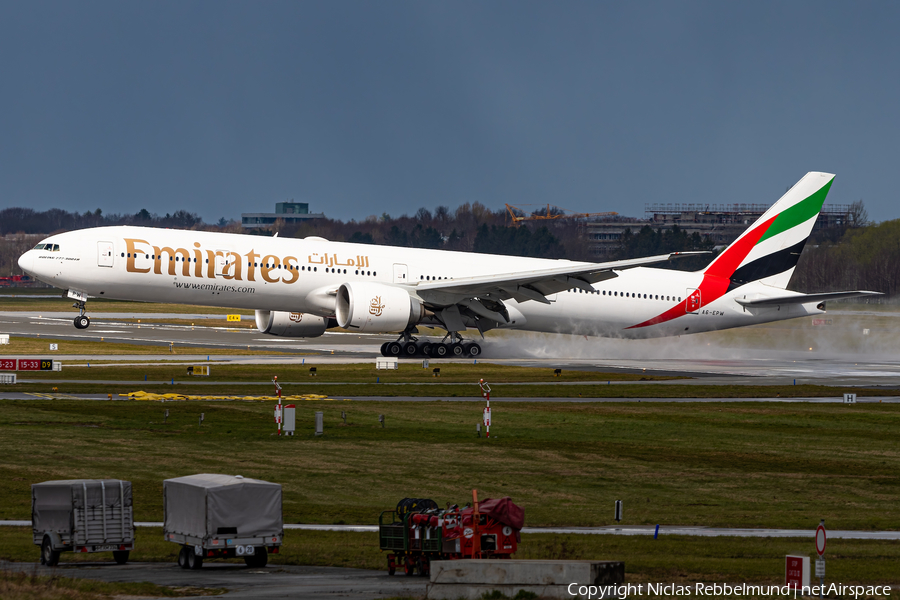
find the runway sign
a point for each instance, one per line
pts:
(233, 318)
(820, 540)
(796, 571)
(26, 364)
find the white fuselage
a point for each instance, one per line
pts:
(300, 275)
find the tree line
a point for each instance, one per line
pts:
(27, 220)
(863, 258)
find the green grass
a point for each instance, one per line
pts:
(678, 559)
(456, 380)
(409, 372)
(31, 346)
(442, 390)
(740, 465)
(101, 305)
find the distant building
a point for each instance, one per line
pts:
(288, 212)
(722, 223)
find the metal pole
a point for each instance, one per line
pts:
(103, 508)
(84, 512)
(122, 507)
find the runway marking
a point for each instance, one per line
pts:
(60, 396)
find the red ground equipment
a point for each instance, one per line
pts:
(417, 532)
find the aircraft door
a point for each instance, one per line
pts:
(223, 266)
(692, 302)
(104, 254)
(400, 273)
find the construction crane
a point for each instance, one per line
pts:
(561, 213)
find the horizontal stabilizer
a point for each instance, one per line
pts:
(804, 298)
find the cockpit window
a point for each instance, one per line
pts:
(50, 247)
(55, 247)
(39, 247)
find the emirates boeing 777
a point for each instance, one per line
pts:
(301, 287)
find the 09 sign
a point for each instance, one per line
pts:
(26, 364)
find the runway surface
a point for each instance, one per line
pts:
(272, 581)
(687, 355)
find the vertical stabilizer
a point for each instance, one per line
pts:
(770, 248)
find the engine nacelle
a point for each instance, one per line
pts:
(376, 308)
(290, 324)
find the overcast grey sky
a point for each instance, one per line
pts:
(359, 108)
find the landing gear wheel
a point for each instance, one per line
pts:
(384, 348)
(394, 349)
(259, 559)
(120, 556)
(183, 557)
(82, 322)
(49, 556)
(194, 560)
(410, 349)
(472, 350)
(425, 348)
(440, 350)
(456, 349)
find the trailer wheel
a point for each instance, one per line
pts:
(183, 557)
(121, 556)
(409, 567)
(49, 556)
(391, 567)
(423, 566)
(194, 560)
(258, 559)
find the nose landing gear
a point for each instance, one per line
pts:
(81, 321)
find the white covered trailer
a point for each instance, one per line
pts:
(222, 516)
(82, 515)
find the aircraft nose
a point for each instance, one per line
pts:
(26, 261)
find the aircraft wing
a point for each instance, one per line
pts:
(803, 298)
(476, 292)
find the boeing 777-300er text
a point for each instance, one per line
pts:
(301, 287)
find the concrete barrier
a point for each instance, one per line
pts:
(470, 579)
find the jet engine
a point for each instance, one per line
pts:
(376, 308)
(290, 324)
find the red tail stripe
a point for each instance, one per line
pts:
(728, 262)
(716, 277)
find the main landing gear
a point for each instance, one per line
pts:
(409, 347)
(81, 321)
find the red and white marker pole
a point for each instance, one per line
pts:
(486, 392)
(279, 414)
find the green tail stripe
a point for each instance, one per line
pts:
(798, 213)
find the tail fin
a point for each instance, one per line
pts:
(769, 250)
